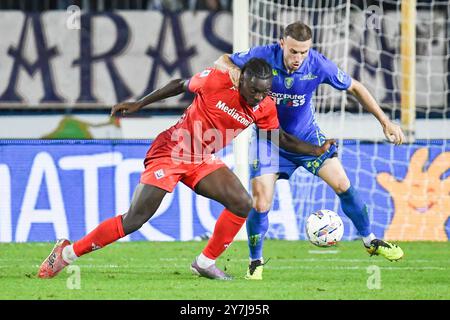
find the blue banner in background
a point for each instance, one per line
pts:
(406, 189)
(52, 189)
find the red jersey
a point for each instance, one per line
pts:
(215, 117)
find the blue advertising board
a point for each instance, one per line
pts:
(51, 189)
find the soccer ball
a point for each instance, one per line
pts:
(324, 228)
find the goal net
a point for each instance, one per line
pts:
(406, 188)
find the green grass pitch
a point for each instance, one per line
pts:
(296, 270)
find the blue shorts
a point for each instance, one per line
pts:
(265, 157)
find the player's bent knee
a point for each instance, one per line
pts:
(132, 221)
(262, 201)
(241, 205)
(342, 185)
(131, 226)
(262, 205)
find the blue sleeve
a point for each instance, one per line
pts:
(240, 58)
(334, 76)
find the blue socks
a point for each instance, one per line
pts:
(352, 205)
(257, 226)
(356, 210)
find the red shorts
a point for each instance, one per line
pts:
(163, 172)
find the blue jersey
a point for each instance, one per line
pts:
(293, 92)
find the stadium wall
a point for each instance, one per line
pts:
(63, 188)
(119, 55)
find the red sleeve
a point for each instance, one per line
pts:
(199, 80)
(269, 118)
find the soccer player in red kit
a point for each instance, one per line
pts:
(185, 152)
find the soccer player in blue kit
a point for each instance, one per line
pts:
(298, 70)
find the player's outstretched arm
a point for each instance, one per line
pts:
(173, 88)
(292, 144)
(224, 63)
(393, 132)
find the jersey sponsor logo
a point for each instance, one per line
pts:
(159, 174)
(308, 76)
(204, 73)
(288, 82)
(232, 112)
(289, 100)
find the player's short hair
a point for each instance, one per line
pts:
(256, 67)
(298, 31)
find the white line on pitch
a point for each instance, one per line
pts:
(6, 262)
(368, 259)
(352, 268)
(323, 251)
(270, 267)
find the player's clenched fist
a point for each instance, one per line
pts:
(125, 108)
(328, 143)
(393, 133)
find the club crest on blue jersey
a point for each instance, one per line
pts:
(295, 91)
(288, 82)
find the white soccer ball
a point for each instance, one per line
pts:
(324, 228)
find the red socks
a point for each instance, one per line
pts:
(106, 232)
(226, 228)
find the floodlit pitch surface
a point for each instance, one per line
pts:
(296, 270)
